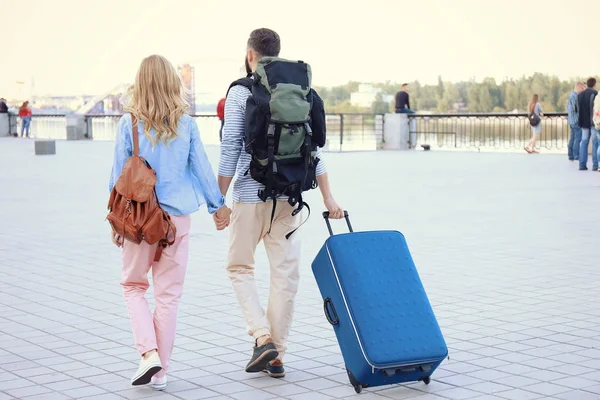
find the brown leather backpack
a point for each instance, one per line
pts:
(133, 208)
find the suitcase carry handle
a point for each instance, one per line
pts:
(406, 370)
(332, 320)
(346, 216)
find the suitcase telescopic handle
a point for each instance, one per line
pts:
(346, 216)
(330, 313)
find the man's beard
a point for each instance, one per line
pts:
(248, 69)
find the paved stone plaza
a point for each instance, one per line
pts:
(505, 245)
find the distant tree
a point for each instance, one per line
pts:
(379, 106)
(484, 96)
(512, 97)
(473, 98)
(485, 99)
(450, 97)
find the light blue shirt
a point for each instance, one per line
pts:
(185, 177)
(572, 109)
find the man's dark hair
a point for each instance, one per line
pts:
(265, 42)
(404, 84)
(591, 82)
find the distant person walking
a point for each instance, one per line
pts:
(573, 112)
(157, 127)
(585, 103)
(535, 119)
(3, 106)
(25, 115)
(221, 116)
(403, 101)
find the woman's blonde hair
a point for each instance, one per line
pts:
(158, 98)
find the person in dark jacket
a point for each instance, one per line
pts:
(585, 105)
(3, 106)
(403, 101)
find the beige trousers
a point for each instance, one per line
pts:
(249, 225)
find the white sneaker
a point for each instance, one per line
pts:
(148, 367)
(158, 383)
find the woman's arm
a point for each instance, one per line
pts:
(123, 149)
(202, 170)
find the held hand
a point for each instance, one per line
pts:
(222, 218)
(335, 211)
(116, 238)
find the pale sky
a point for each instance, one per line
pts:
(80, 46)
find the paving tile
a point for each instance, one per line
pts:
(181, 385)
(84, 391)
(48, 396)
(139, 393)
(489, 375)
(318, 384)
(310, 396)
(49, 378)
(547, 389)
(291, 389)
(15, 384)
(24, 392)
(577, 395)
(66, 385)
(396, 392)
(459, 393)
(575, 382)
(196, 394)
(488, 387)
(254, 395)
(104, 396)
(546, 376)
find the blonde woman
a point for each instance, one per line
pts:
(169, 140)
(535, 114)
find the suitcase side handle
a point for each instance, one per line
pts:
(333, 320)
(346, 216)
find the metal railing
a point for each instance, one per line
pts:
(104, 127)
(487, 131)
(345, 132)
(355, 132)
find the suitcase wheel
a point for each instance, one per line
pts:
(357, 386)
(426, 380)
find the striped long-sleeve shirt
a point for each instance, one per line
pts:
(233, 156)
(572, 109)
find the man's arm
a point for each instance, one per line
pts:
(233, 135)
(408, 101)
(335, 211)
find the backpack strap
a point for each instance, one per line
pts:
(134, 135)
(246, 82)
(273, 131)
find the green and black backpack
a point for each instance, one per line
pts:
(285, 123)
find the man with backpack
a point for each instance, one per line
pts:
(585, 105)
(274, 129)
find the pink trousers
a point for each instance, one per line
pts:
(156, 331)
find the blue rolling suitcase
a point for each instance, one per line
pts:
(374, 298)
